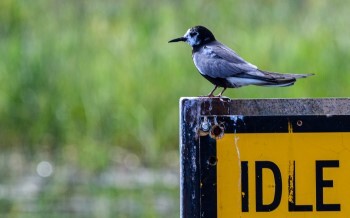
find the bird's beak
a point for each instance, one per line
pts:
(181, 39)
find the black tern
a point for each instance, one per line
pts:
(223, 67)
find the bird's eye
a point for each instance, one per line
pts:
(193, 34)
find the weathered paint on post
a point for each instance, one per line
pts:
(203, 117)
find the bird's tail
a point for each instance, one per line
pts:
(281, 79)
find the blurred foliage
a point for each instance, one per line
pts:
(79, 79)
(102, 73)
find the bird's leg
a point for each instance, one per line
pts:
(220, 94)
(211, 93)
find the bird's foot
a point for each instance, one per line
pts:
(210, 96)
(222, 92)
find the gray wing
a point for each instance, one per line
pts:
(219, 61)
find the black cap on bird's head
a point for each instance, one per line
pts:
(196, 36)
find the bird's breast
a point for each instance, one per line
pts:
(202, 59)
(198, 62)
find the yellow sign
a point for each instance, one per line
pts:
(283, 175)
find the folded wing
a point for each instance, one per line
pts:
(219, 61)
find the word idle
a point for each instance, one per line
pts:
(264, 166)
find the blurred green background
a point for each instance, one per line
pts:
(89, 92)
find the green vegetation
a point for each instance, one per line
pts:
(93, 86)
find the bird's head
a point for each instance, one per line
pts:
(196, 36)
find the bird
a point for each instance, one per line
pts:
(223, 67)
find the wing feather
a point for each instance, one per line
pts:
(219, 61)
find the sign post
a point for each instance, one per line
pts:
(265, 157)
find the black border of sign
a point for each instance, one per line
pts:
(281, 124)
(255, 124)
(208, 188)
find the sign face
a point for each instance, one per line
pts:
(275, 166)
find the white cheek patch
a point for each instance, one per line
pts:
(191, 40)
